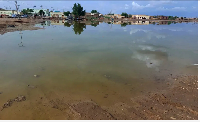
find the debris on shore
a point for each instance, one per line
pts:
(9, 103)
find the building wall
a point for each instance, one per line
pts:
(118, 16)
(140, 16)
(163, 17)
(56, 14)
(7, 12)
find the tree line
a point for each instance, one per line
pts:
(77, 11)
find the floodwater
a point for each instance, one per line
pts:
(107, 63)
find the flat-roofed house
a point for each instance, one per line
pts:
(140, 16)
(118, 16)
(57, 14)
(8, 12)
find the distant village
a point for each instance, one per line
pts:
(93, 15)
(79, 14)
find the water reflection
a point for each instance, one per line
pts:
(79, 26)
(67, 24)
(152, 55)
(21, 43)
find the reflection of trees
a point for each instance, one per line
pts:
(169, 22)
(94, 24)
(124, 24)
(78, 27)
(67, 24)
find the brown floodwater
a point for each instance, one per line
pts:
(107, 63)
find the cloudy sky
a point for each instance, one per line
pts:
(186, 8)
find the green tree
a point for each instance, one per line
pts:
(169, 22)
(124, 14)
(41, 12)
(94, 11)
(67, 24)
(124, 24)
(78, 27)
(77, 10)
(27, 11)
(94, 24)
(129, 16)
(67, 13)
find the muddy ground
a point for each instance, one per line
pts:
(11, 25)
(177, 99)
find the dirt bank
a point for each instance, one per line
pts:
(14, 24)
(22, 20)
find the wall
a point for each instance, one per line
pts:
(9, 13)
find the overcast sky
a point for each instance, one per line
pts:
(151, 7)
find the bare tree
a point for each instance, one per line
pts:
(17, 6)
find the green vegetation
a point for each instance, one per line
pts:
(106, 17)
(78, 27)
(41, 12)
(124, 14)
(94, 11)
(94, 24)
(67, 24)
(27, 11)
(170, 22)
(172, 18)
(66, 13)
(77, 10)
(129, 16)
(124, 24)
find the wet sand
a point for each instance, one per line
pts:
(175, 99)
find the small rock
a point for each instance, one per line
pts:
(36, 76)
(31, 86)
(1, 92)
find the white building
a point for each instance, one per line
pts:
(46, 11)
(8, 12)
(140, 16)
(57, 14)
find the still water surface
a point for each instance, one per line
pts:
(107, 63)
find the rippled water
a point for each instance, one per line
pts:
(91, 62)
